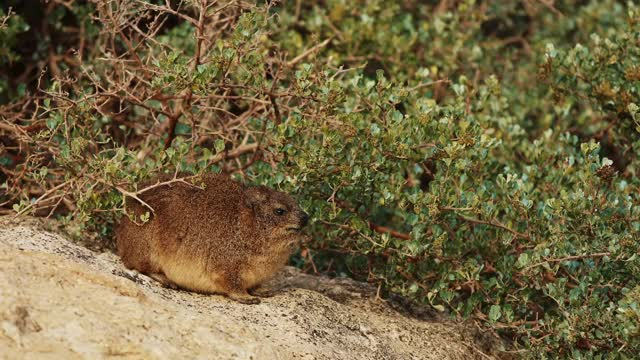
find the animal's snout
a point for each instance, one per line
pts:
(304, 219)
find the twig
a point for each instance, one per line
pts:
(549, 5)
(495, 223)
(573, 257)
(386, 230)
(188, 92)
(168, 182)
(431, 83)
(130, 194)
(450, 208)
(425, 145)
(301, 57)
(49, 192)
(5, 18)
(239, 151)
(352, 230)
(169, 10)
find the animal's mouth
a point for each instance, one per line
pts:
(294, 229)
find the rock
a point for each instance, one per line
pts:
(63, 301)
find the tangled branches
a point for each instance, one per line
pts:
(188, 86)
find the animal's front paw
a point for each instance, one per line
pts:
(263, 292)
(244, 298)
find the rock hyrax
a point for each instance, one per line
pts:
(226, 238)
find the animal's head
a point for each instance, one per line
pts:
(276, 212)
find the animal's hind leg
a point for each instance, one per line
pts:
(162, 279)
(235, 290)
(262, 291)
(242, 296)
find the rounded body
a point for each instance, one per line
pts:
(224, 238)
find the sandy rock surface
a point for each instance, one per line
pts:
(63, 301)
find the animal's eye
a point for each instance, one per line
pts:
(280, 211)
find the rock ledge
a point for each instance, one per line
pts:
(63, 301)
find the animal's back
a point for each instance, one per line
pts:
(190, 220)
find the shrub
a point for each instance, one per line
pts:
(10, 26)
(476, 157)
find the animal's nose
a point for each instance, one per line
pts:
(304, 218)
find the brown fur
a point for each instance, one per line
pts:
(224, 239)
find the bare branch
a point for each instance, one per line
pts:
(308, 52)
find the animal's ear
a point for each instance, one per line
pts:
(254, 195)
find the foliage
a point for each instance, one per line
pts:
(10, 26)
(479, 157)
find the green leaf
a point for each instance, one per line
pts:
(219, 145)
(495, 312)
(523, 260)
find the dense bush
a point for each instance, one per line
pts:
(476, 156)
